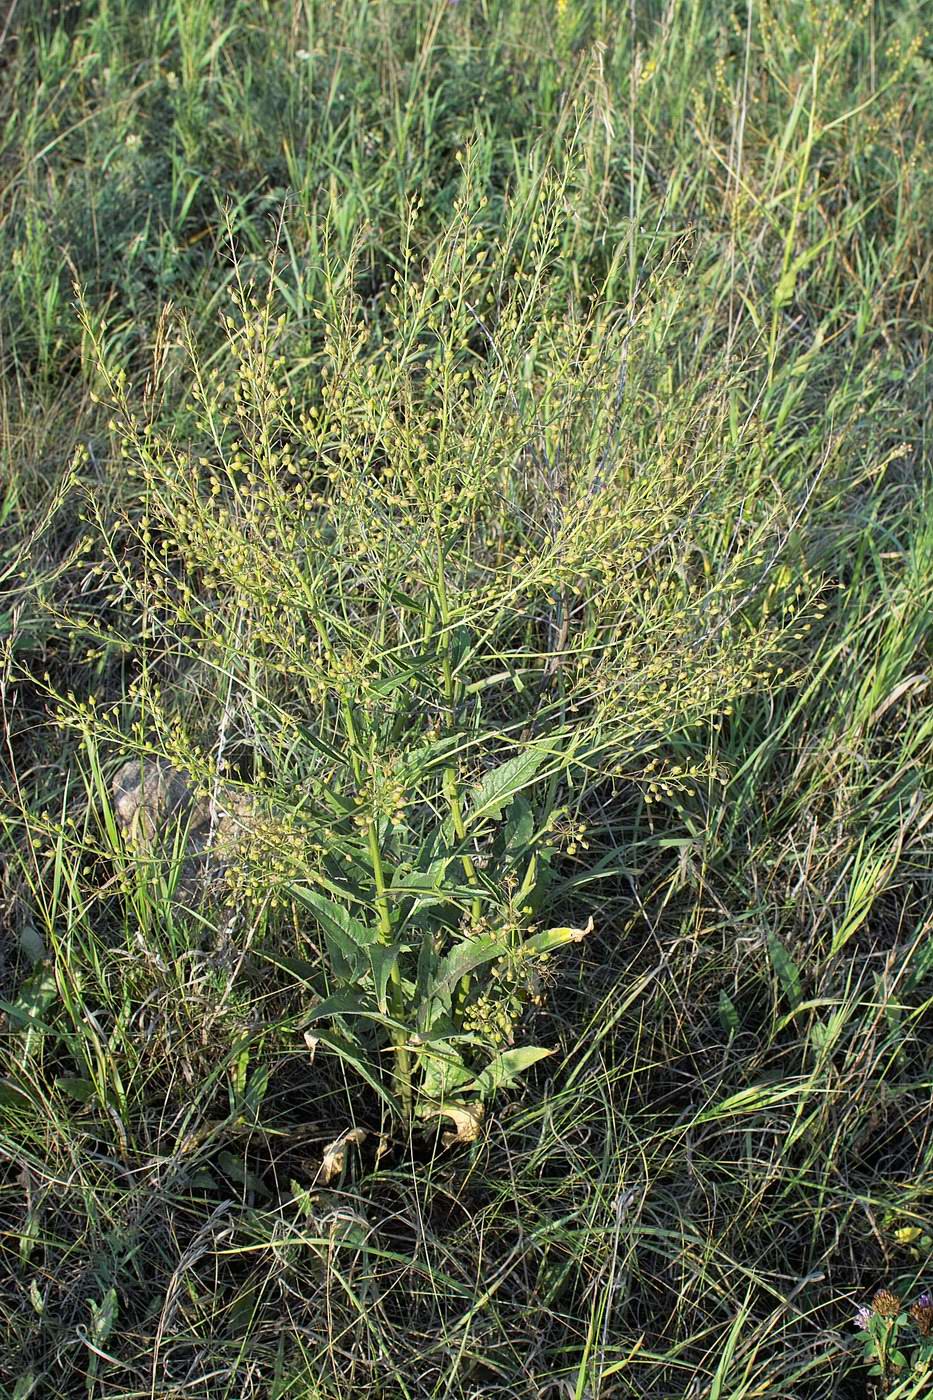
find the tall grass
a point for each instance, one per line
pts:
(484, 446)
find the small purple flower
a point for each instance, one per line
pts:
(925, 1300)
(862, 1318)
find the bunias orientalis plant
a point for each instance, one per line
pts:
(431, 593)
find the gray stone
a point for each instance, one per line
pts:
(161, 815)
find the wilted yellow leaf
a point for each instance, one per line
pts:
(466, 1117)
(334, 1155)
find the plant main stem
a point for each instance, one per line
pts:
(451, 787)
(403, 1074)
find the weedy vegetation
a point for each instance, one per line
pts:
(465, 645)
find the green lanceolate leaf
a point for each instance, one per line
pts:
(500, 785)
(553, 938)
(531, 882)
(104, 1316)
(420, 669)
(519, 826)
(300, 968)
(728, 1016)
(348, 941)
(81, 1089)
(36, 994)
(443, 1071)
(465, 958)
(424, 887)
(382, 961)
(352, 1002)
(13, 1095)
(502, 1072)
(354, 1055)
(427, 970)
(786, 970)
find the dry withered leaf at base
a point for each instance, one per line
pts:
(335, 1154)
(467, 1119)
